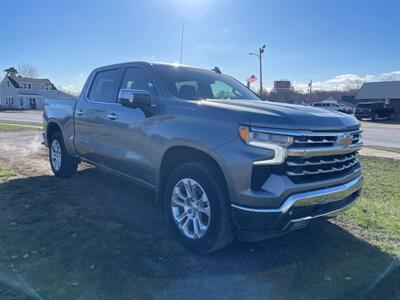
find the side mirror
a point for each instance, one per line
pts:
(134, 98)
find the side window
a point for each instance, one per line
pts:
(138, 79)
(187, 89)
(104, 86)
(221, 90)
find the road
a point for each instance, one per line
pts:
(97, 236)
(381, 134)
(22, 116)
(378, 133)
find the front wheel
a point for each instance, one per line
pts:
(62, 164)
(197, 207)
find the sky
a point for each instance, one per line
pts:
(335, 43)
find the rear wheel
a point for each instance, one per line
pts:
(62, 164)
(197, 207)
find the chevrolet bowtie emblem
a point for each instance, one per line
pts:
(344, 140)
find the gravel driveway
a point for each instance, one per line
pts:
(97, 236)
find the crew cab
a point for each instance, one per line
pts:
(374, 111)
(222, 162)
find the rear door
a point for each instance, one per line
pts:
(92, 112)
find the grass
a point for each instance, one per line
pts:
(9, 127)
(5, 174)
(21, 123)
(376, 215)
(396, 150)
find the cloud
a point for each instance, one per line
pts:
(394, 75)
(346, 82)
(70, 89)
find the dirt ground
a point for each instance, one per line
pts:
(97, 236)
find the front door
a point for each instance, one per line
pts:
(129, 145)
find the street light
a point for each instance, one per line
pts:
(259, 55)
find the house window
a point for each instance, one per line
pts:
(27, 86)
(9, 100)
(8, 84)
(21, 101)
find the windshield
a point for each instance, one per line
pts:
(365, 105)
(194, 84)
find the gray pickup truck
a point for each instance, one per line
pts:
(223, 163)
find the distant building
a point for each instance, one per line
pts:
(385, 91)
(27, 93)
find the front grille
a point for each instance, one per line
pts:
(300, 169)
(314, 156)
(315, 141)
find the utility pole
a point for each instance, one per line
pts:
(183, 26)
(259, 55)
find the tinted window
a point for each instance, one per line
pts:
(104, 86)
(364, 105)
(224, 91)
(137, 79)
(317, 104)
(192, 84)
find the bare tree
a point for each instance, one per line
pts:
(11, 71)
(28, 70)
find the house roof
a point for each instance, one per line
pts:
(379, 90)
(13, 82)
(16, 81)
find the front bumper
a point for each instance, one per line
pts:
(297, 209)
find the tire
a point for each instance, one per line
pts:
(62, 164)
(391, 116)
(220, 229)
(374, 117)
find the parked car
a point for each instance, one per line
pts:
(374, 110)
(334, 106)
(222, 162)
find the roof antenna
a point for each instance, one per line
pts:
(183, 26)
(216, 70)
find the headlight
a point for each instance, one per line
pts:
(276, 142)
(263, 139)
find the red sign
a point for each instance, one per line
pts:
(282, 85)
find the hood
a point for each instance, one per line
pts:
(287, 116)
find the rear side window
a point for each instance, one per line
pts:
(104, 87)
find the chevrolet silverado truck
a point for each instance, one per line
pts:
(223, 163)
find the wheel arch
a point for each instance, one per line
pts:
(178, 155)
(52, 127)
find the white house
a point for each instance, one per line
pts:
(27, 93)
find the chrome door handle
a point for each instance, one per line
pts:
(79, 112)
(112, 116)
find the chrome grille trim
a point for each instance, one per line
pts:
(322, 161)
(321, 171)
(322, 151)
(306, 133)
